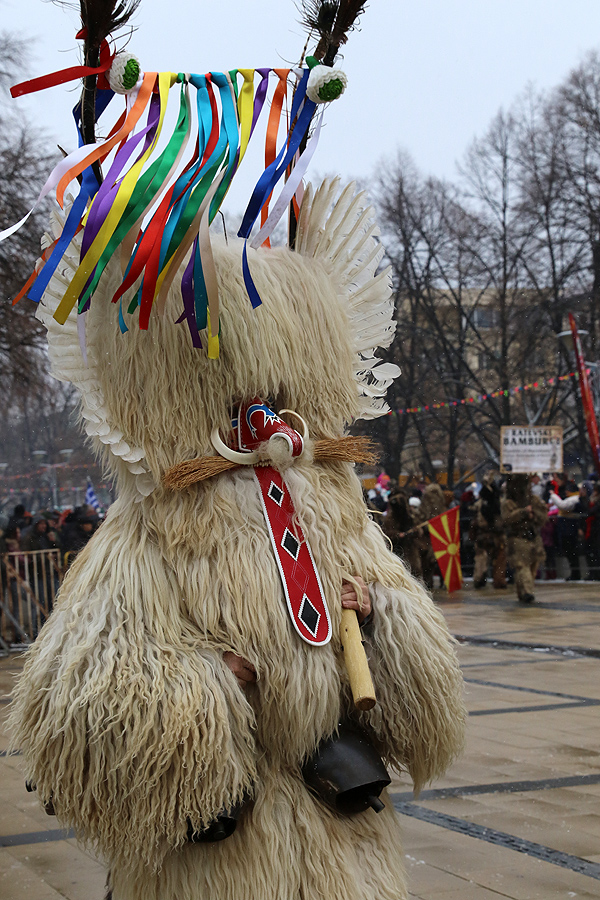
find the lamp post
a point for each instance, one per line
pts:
(66, 455)
(38, 456)
(3, 468)
(566, 339)
(438, 465)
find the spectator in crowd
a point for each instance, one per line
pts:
(591, 532)
(523, 515)
(414, 501)
(12, 539)
(466, 515)
(570, 502)
(77, 530)
(42, 570)
(449, 499)
(397, 524)
(537, 486)
(52, 516)
(566, 484)
(487, 533)
(377, 497)
(14, 572)
(39, 536)
(551, 486)
(549, 541)
(370, 505)
(5, 624)
(384, 484)
(20, 518)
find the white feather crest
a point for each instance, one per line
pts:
(68, 363)
(339, 229)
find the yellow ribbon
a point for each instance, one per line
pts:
(245, 107)
(213, 340)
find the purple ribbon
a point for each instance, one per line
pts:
(260, 96)
(106, 194)
(189, 306)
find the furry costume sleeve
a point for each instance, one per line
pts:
(126, 720)
(419, 718)
(513, 516)
(418, 722)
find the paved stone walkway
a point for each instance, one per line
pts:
(518, 817)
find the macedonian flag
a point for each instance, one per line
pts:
(444, 531)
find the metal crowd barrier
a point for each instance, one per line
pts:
(30, 581)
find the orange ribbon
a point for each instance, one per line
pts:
(271, 136)
(102, 150)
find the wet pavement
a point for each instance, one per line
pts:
(518, 816)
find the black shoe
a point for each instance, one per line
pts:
(479, 584)
(526, 598)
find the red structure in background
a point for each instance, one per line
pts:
(586, 395)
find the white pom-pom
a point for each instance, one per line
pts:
(325, 84)
(124, 73)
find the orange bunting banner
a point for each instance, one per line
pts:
(444, 531)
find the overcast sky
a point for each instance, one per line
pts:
(424, 76)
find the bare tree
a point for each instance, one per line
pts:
(37, 410)
(23, 163)
(484, 271)
(577, 109)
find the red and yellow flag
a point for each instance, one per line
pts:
(444, 532)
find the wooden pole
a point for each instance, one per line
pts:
(356, 661)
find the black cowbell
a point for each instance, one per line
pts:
(347, 773)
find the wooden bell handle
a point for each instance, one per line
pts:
(356, 661)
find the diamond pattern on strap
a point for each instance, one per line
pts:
(299, 577)
(290, 543)
(276, 494)
(309, 615)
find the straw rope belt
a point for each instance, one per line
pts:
(343, 449)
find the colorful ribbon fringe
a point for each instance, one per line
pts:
(480, 398)
(157, 206)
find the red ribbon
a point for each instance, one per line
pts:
(65, 75)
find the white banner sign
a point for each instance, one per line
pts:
(531, 449)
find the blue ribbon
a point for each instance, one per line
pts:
(250, 286)
(274, 172)
(89, 186)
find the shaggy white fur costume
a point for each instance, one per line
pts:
(126, 714)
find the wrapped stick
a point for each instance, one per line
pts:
(99, 19)
(357, 664)
(355, 657)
